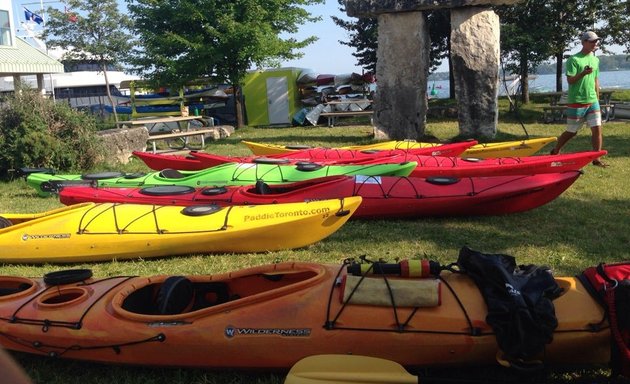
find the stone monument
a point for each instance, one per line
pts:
(403, 63)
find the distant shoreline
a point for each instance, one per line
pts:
(442, 76)
(609, 63)
(617, 80)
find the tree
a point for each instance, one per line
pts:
(565, 22)
(94, 30)
(37, 132)
(363, 36)
(216, 40)
(552, 27)
(523, 47)
(440, 32)
(616, 18)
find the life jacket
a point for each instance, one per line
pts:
(610, 286)
(519, 301)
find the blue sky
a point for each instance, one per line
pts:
(326, 55)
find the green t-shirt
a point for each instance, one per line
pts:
(582, 91)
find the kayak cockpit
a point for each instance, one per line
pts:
(12, 287)
(179, 297)
(263, 188)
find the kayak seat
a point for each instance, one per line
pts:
(210, 294)
(170, 173)
(263, 188)
(174, 296)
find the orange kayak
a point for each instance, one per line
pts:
(271, 316)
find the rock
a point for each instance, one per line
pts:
(225, 131)
(475, 57)
(402, 69)
(370, 8)
(119, 143)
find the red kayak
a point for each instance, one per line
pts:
(383, 196)
(503, 166)
(195, 161)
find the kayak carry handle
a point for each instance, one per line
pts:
(406, 268)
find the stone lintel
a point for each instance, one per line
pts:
(371, 8)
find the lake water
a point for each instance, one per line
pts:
(547, 83)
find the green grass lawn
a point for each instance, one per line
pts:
(587, 224)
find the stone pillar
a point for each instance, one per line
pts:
(401, 72)
(475, 55)
(474, 52)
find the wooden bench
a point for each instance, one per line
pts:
(200, 132)
(333, 116)
(554, 113)
(183, 122)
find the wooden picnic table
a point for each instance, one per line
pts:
(332, 116)
(175, 138)
(181, 135)
(558, 101)
(152, 122)
(347, 108)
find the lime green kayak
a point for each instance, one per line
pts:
(226, 174)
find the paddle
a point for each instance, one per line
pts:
(348, 369)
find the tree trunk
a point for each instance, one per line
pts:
(559, 73)
(238, 106)
(524, 81)
(109, 94)
(451, 78)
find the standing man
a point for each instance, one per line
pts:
(582, 70)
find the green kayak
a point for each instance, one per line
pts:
(225, 174)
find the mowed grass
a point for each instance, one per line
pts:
(587, 224)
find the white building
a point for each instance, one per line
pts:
(18, 59)
(81, 85)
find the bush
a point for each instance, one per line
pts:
(37, 132)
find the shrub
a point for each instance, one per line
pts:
(37, 132)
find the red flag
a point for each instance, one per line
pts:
(72, 17)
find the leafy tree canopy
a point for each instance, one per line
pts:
(537, 30)
(363, 36)
(90, 30)
(187, 40)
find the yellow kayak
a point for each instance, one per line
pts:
(517, 148)
(99, 232)
(262, 149)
